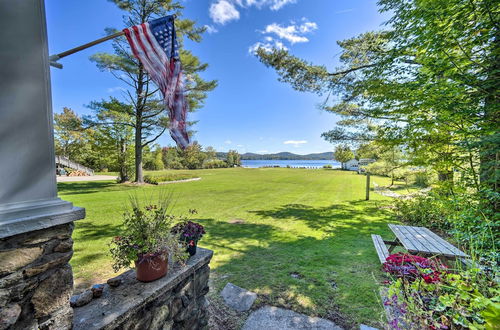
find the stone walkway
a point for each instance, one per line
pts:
(269, 317)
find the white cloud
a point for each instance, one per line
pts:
(295, 142)
(228, 142)
(115, 89)
(262, 151)
(223, 11)
(277, 4)
(211, 29)
(240, 145)
(267, 46)
(294, 33)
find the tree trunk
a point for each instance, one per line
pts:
(122, 161)
(139, 178)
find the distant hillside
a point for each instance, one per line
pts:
(282, 156)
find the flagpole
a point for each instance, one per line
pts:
(54, 58)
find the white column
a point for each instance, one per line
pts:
(28, 190)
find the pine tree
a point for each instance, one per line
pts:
(144, 109)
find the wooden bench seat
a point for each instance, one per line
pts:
(380, 247)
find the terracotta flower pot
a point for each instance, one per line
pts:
(151, 267)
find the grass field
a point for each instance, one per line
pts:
(312, 224)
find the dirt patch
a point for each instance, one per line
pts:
(236, 221)
(222, 317)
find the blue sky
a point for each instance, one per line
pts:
(250, 111)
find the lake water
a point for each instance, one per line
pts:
(291, 163)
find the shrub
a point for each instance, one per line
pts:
(470, 218)
(468, 299)
(422, 179)
(424, 210)
(214, 163)
(327, 166)
(156, 179)
(176, 165)
(150, 179)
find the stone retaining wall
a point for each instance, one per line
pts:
(36, 281)
(176, 301)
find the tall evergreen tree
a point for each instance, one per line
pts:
(145, 111)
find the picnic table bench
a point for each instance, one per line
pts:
(417, 240)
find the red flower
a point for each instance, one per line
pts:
(412, 267)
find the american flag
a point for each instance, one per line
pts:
(155, 45)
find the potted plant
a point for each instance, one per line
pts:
(147, 241)
(189, 233)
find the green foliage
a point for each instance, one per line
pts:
(156, 179)
(469, 218)
(233, 158)
(343, 154)
(429, 83)
(327, 167)
(172, 157)
(153, 161)
(390, 162)
(422, 179)
(214, 163)
(146, 231)
(210, 153)
(193, 156)
(465, 300)
(72, 140)
(141, 106)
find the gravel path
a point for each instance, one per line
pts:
(85, 178)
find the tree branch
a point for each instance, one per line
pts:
(156, 138)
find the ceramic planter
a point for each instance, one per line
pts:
(191, 247)
(151, 267)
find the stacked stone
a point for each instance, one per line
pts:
(36, 281)
(184, 307)
(176, 301)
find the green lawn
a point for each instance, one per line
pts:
(314, 224)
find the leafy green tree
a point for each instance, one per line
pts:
(193, 156)
(73, 141)
(153, 159)
(233, 158)
(115, 143)
(210, 153)
(390, 162)
(69, 133)
(343, 154)
(429, 82)
(171, 157)
(369, 150)
(145, 111)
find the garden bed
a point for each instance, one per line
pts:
(170, 178)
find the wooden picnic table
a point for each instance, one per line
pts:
(422, 241)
